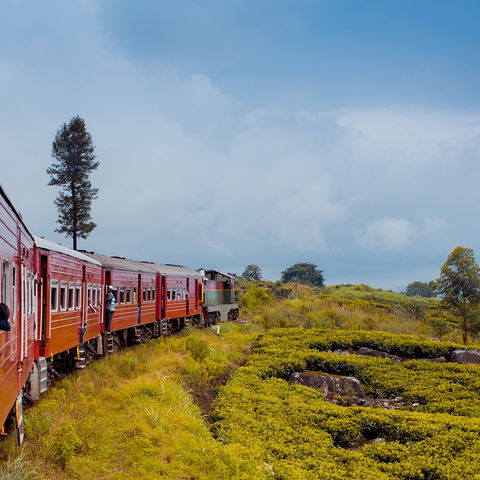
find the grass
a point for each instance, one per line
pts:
(352, 307)
(137, 414)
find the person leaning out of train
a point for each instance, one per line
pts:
(4, 316)
(109, 308)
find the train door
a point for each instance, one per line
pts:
(86, 302)
(196, 294)
(164, 297)
(139, 303)
(187, 296)
(42, 300)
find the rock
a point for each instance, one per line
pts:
(339, 351)
(433, 360)
(465, 356)
(378, 440)
(330, 385)
(415, 405)
(378, 353)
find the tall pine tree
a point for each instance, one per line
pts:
(73, 151)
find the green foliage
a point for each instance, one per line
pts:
(420, 289)
(306, 273)
(65, 443)
(18, 468)
(255, 298)
(197, 347)
(459, 285)
(73, 152)
(253, 273)
(303, 436)
(140, 414)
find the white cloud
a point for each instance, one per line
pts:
(387, 233)
(192, 175)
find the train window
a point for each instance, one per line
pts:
(27, 293)
(149, 294)
(54, 296)
(154, 291)
(179, 293)
(169, 295)
(78, 295)
(144, 294)
(5, 297)
(89, 295)
(129, 294)
(63, 296)
(71, 295)
(94, 295)
(99, 297)
(14, 294)
(174, 293)
(122, 295)
(134, 294)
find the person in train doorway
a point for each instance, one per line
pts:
(109, 308)
(4, 316)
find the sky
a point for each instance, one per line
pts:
(344, 133)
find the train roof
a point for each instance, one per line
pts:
(119, 263)
(176, 270)
(17, 213)
(57, 247)
(219, 273)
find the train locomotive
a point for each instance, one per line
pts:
(56, 297)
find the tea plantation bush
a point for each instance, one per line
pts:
(302, 436)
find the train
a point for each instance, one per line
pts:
(56, 298)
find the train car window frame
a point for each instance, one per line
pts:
(89, 294)
(28, 300)
(174, 294)
(5, 289)
(122, 296)
(144, 294)
(99, 296)
(149, 294)
(154, 294)
(78, 296)
(128, 295)
(179, 293)
(63, 296)
(94, 294)
(134, 294)
(14, 294)
(169, 294)
(71, 295)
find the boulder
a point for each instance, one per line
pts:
(465, 356)
(378, 353)
(331, 385)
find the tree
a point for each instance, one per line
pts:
(252, 273)
(459, 285)
(306, 273)
(73, 151)
(419, 288)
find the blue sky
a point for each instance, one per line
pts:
(345, 133)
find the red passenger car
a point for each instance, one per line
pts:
(17, 291)
(135, 291)
(70, 301)
(181, 296)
